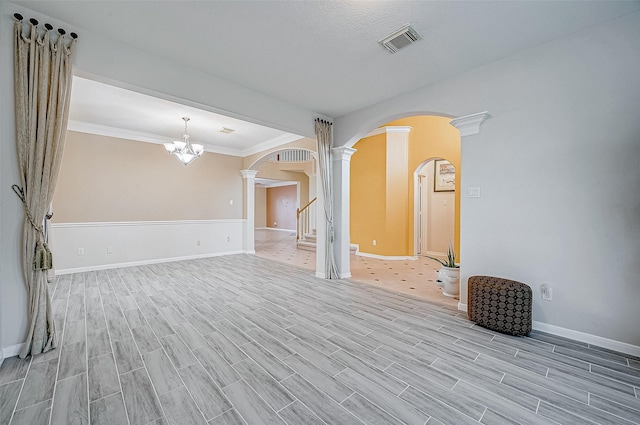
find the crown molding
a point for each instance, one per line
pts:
(139, 136)
(469, 125)
(270, 184)
(270, 144)
(342, 153)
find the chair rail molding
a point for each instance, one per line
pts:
(469, 125)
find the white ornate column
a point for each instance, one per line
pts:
(249, 209)
(468, 125)
(341, 215)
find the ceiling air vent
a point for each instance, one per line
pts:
(400, 38)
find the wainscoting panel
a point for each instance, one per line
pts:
(92, 246)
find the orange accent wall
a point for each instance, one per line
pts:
(368, 193)
(281, 207)
(382, 185)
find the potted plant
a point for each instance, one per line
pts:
(449, 274)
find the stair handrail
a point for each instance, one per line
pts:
(303, 225)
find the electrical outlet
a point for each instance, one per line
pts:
(228, 238)
(80, 251)
(547, 292)
(374, 242)
(109, 250)
(197, 243)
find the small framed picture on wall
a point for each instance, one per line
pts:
(445, 176)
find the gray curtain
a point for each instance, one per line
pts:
(324, 138)
(42, 74)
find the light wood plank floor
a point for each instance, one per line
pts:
(245, 340)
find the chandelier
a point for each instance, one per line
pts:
(184, 150)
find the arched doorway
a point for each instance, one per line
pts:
(434, 207)
(385, 196)
(284, 181)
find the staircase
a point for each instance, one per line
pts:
(308, 243)
(306, 231)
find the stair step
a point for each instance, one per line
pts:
(306, 246)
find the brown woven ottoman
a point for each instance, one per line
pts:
(501, 305)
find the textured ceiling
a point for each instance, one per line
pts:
(324, 55)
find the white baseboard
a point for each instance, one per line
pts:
(145, 262)
(611, 344)
(320, 275)
(437, 254)
(277, 229)
(386, 257)
(345, 275)
(11, 351)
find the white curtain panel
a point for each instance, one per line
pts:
(43, 72)
(324, 137)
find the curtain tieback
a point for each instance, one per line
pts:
(42, 259)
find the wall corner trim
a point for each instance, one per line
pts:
(470, 124)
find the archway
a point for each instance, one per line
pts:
(434, 207)
(290, 169)
(384, 176)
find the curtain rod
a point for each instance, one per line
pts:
(49, 27)
(323, 121)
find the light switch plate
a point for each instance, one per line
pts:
(473, 192)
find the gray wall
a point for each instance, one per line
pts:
(558, 165)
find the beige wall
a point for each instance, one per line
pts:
(440, 214)
(105, 179)
(271, 170)
(281, 207)
(260, 216)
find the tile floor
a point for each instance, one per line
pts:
(245, 340)
(415, 277)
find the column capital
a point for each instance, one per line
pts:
(248, 174)
(470, 124)
(342, 153)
